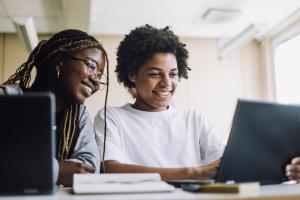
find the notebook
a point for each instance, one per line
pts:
(242, 188)
(264, 138)
(27, 144)
(117, 183)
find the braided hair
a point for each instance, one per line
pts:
(44, 59)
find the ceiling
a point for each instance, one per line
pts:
(118, 17)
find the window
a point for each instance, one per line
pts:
(287, 68)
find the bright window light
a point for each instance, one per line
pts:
(287, 71)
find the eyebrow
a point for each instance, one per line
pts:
(89, 58)
(148, 68)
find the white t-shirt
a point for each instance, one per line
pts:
(170, 138)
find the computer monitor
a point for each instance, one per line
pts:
(27, 143)
(264, 138)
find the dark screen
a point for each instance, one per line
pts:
(264, 137)
(26, 144)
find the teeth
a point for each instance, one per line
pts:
(166, 93)
(88, 88)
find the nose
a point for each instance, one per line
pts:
(166, 81)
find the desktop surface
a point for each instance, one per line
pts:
(278, 191)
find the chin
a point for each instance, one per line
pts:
(161, 105)
(79, 100)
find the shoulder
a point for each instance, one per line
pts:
(82, 111)
(84, 117)
(12, 89)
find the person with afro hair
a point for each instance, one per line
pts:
(150, 135)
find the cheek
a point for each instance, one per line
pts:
(147, 85)
(79, 74)
(82, 72)
(174, 84)
(72, 80)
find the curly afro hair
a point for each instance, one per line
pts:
(141, 44)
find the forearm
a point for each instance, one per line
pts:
(68, 168)
(86, 158)
(166, 173)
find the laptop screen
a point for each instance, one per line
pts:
(264, 138)
(27, 143)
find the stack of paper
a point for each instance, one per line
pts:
(119, 183)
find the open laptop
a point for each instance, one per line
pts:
(27, 144)
(264, 138)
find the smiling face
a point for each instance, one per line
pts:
(156, 82)
(77, 80)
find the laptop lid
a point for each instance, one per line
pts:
(264, 138)
(27, 143)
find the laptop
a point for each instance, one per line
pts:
(27, 144)
(264, 138)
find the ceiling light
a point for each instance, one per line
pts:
(26, 31)
(217, 15)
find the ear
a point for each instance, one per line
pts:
(132, 78)
(59, 65)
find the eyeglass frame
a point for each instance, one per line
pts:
(93, 69)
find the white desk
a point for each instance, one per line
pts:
(286, 192)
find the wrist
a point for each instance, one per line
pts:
(193, 172)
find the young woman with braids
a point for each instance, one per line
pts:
(151, 135)
(70, 64)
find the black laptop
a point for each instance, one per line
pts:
(27, 144)
(264, 138)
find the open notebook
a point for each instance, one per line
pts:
(119, 183)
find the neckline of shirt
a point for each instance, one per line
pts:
(129, 108)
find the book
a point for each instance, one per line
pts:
(250, 187)
(178, 183)
(119, 183)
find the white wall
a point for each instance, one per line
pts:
(214, 85)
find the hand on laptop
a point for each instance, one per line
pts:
(293, 169)
(207, 171)
(68, 168)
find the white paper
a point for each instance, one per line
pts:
(119, 183)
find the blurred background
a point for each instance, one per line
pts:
(247, 49)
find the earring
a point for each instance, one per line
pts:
(57, 72)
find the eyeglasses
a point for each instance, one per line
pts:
(92, 69)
